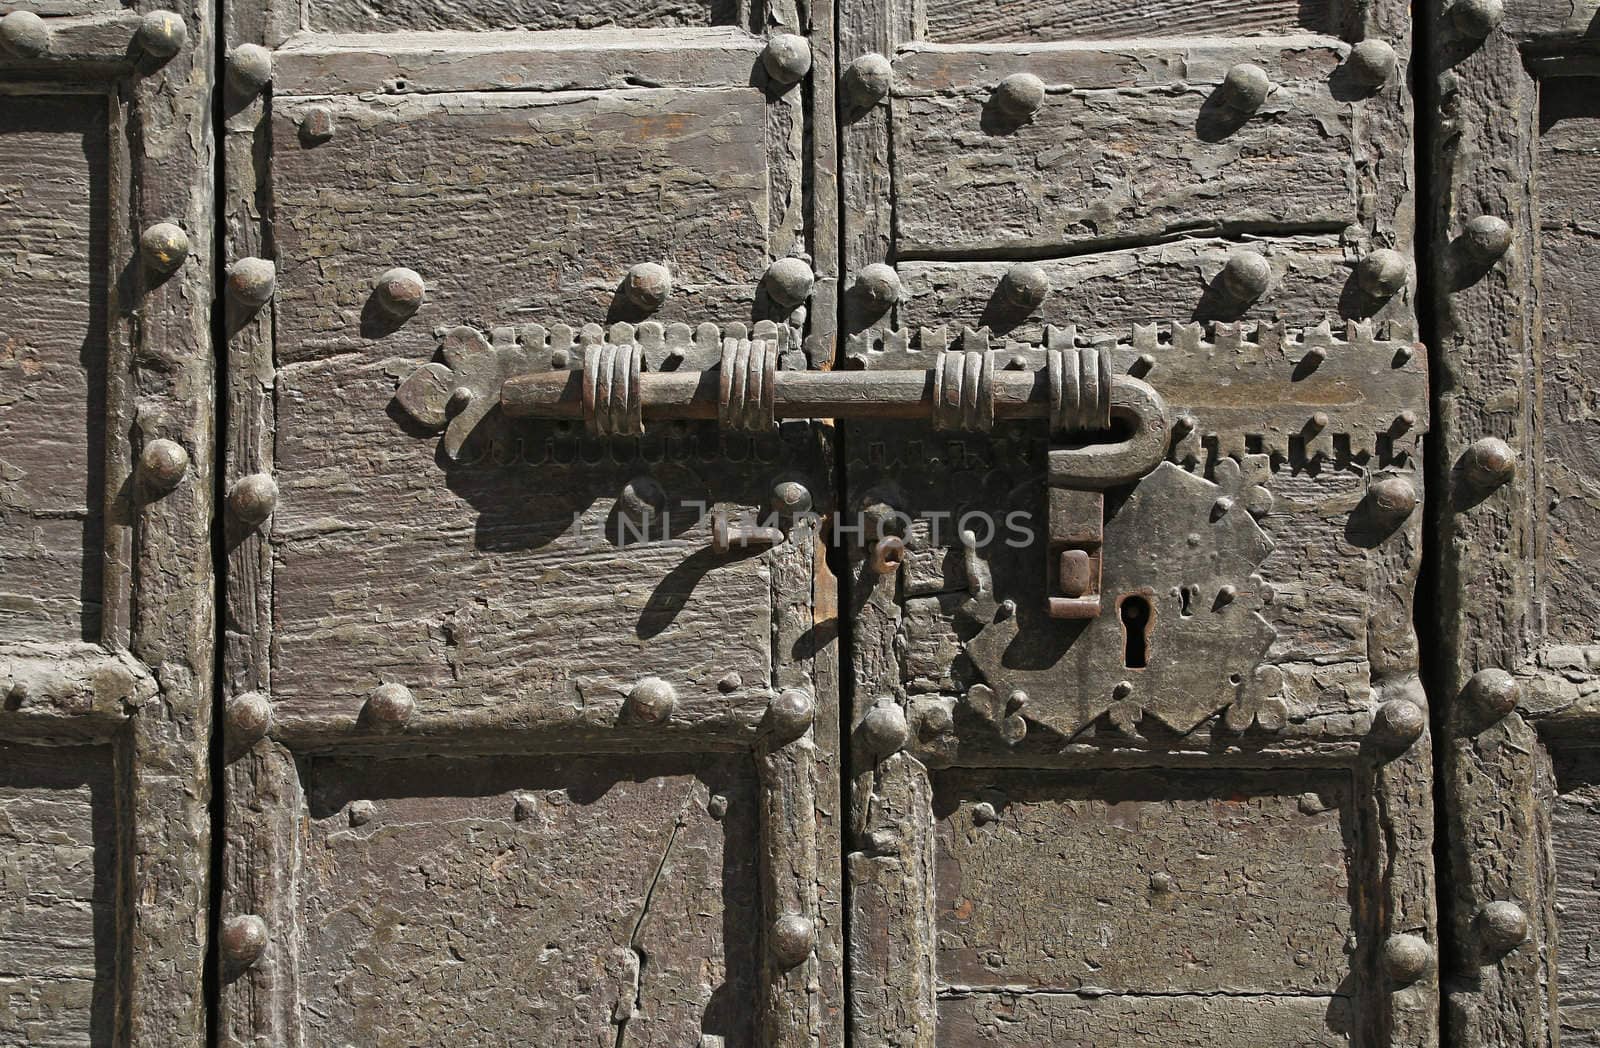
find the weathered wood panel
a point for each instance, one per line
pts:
(1575, 841)
(1183, 1021)
(1152, 156)
(1140, 882)
(476, 583)
(53, 269)
(58, 896)
(1569, 185)
(364, 15)
(1022, 21)
(451, 901)
(1311, 280)
(515, 208)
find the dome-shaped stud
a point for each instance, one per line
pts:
(1501, 927)
(789, 282)
(1392, 500)
(1406, 958)
(867, 81)
(249, 69)
(242, 940)
(1382, 273)
(162, 34)
(389, 706)
(791, 497)
(1244, 278)
(24, 34)
(1018, 97)
(247, 719)
(162, 464)
(884, 729)
(163, 247)
(1486, 238)
(251, 282)
(252, 499)
(641, 498)
(786, 58)
(1488, 464)
(399, 292)
(651, 701)
(793, 937)
(1025, 285)
(1398, 723)
(790, 713)
(1492, 693)
(878, 285)
(647, 286)
(1372, 63)
(1476, 19)
(1244, 88)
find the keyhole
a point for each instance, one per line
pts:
(1186, 596)
(1135, 629)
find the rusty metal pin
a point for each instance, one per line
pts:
(1488, 463)
(251, 281)
(886, 555)
(1392, 499)
(1026, 285)
(788, 282)
(317, 125)
(1244, 88)
(1501, 927)
(249, 69)
(867, 80)
(1244, 277)
(884, 729)
(790, 713)
(647, 286)
(1486, 238)
(651, 701)
(1398, 723)
(253, 499)
(1406, 958)
(399, 292)
(878, 285)
(24, 34)
(389, 706)
(1372, 63)
(163, 247)
(1018, 97)
(1494, 693)
(792, 940)
(727, 536)
(162, 34)
(248, 719)
(162, 464)
(243, 939)
(786, 58)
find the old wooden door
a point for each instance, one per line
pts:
(1141, 751)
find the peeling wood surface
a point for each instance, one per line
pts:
(1575, 842)
(59, 945)
(1005, 1020)
(353, 16)
(54, 173)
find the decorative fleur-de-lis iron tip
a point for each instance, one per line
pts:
(454, 395)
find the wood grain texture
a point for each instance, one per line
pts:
(1016, 21)
(1568, 543)
(334, 16)
(59, 945)
(1137, 882)
(1009, 1020)
(1106, 165)
(1575, 843)
(615, 908)
(509, 181)
(54, 173)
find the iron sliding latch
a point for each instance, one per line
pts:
(1112, 429)
(1242, 395)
